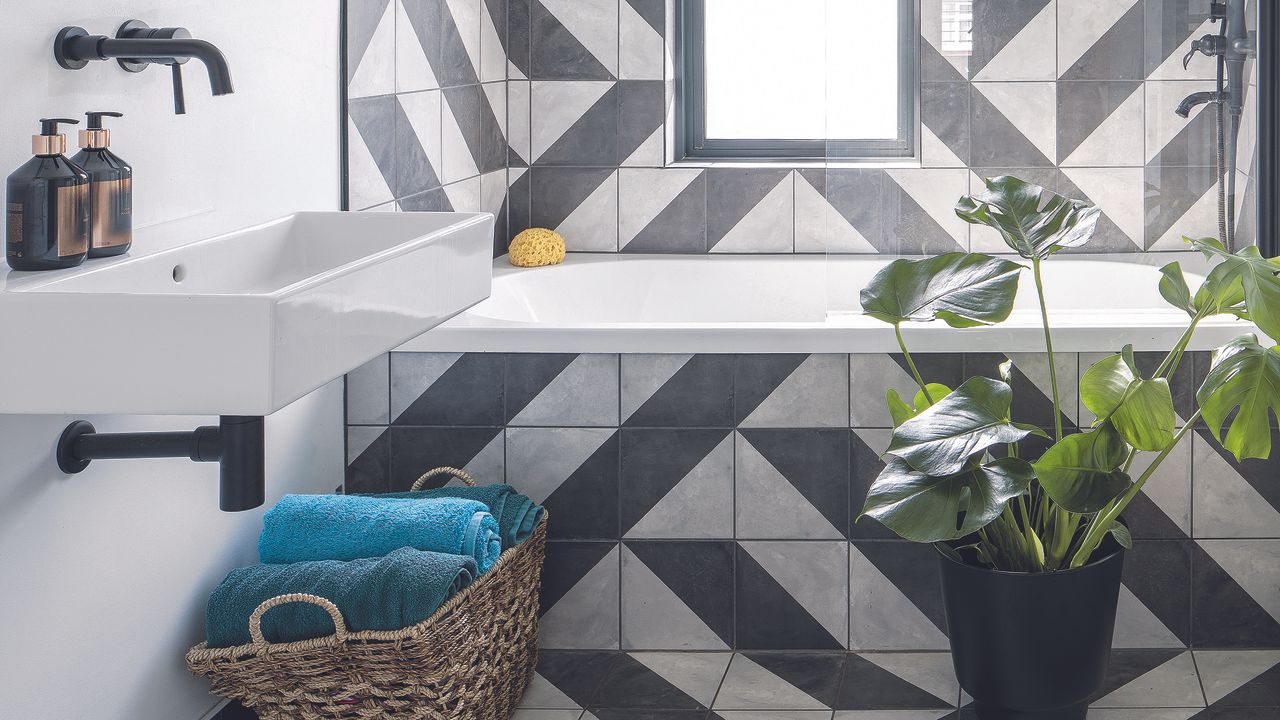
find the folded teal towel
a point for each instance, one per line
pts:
(517, 515)
(385, 593)
(347, 527)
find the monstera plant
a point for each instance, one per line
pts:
(1001, 495)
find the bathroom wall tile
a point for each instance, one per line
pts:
(371, 131)
(579, 203)
(781, 681)
(447, 389)
(642, 51)
(519, 191)
(414, 450)
(1163, 508)
(368, 393)
(1013, 40)
(464, 196)
(792, 595)
(464, 121)
(493, 41)
(641, 113)
(677, 595)
(367, 459)
(1174, 141)
(519, 39)
(677, 483)
(1143, 678)
(518, 119)
(791, 390)
(1014, 124)
(371, 47)
(434, 200)
(677, 390)
(573, 472)
(866, 452)
(659, 685)
(1234, 499)
(839, 210)
(417, 143)
(871, 374)
(1169, 28)
(552, 389)
(493, 199)
(919, 211)
(895, 599)
(1155, 606)
(944, 115)
(575, 40)
(1101, 123)
(460, 35)
(662, 211)
(1032, 386)
(418, 29)
(1099, 40)
(574, 123)
(1236, 601)
(1119, 192)
(580, 596)
(492, 155)
(1240, 678)
(750, 211)
(895, 681)
(792, 484)
(1180, 201)
(944, 61)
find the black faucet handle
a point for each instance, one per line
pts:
(179, 97)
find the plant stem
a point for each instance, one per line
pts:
(1174, 358)
(1048, 342)
(1102, 523)
(897, 330)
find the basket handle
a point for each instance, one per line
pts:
(462, 475)
(255, 619)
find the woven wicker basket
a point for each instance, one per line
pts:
(471, 660)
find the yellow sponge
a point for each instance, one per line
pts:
(536, 247)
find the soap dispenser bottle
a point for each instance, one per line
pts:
(110, 189)
(47, 206)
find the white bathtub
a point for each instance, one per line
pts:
(802, 303)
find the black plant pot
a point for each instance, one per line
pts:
(1032, 647)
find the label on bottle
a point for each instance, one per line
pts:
(73, 219)
(111, 223)
(13, 237)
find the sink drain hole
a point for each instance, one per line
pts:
(179, 273)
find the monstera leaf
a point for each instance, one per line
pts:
(1245, 376)
(1081, 472)
(1257, 277)
(901, 412)
(941, 440)
(1032, 220)
(928, 508)
(1221, 292)
(961, 289)
(1141, 410)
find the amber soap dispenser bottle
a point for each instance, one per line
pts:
(110, 189)
(47, 206)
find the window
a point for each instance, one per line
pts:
(796, 79)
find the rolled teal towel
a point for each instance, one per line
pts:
(517, 515)
(385, 593)
(347, 527)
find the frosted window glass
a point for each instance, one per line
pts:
(802, 69)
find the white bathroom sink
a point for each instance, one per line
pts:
(240, 324)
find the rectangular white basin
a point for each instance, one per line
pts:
(240, 324)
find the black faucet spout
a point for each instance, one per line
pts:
(1194, 99)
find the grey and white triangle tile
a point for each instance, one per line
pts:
(1097, 40)
(814, 574)
(820, 227)
(579, 203)
(1227, 499)
(642, 51)
(1224, 672)
(662, 210)
(881, 615)
(582, 393)
(654, 615)
(1180, 201)
(792, 483)
(919, 211)
(696, 674)
(1100, 124)
(1014, 40)
(575, 39)
(677, 483)
(1014, 124)
(493, 41)
(931, 672)
(418, 27)
(1120, 193)
(574, 123)
(750, 684)
(1172, 683)
(371, 47)
(460, 43)
(574, 472)
(801, 391)
(580, 596)
(1170, 28)
(368, 392)
(371, 151)
(750, 211)
(641, 113)
(518, 119)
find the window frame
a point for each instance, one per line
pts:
(692, 144)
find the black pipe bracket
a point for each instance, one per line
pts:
(237, 443)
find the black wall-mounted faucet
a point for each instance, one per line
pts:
(137, 45)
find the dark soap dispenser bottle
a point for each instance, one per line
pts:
(47, 206)
(110, 189)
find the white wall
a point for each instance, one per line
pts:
(104, 575)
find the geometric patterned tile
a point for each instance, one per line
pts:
(554, 390)
(791, 390)
(573, 472)
(791, 484)
(677, 390)
(791, 681)
(677, 483)
(677, 595)
(580, 593)
(792, 595)
(1236, 599)
(890, 681)
(1150, 678)
(895, 597)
